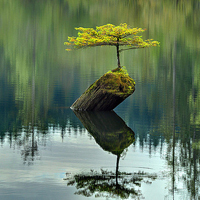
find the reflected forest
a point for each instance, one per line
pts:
(39, 81)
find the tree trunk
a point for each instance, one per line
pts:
(118, 59)
(106, 93)
(117, 169)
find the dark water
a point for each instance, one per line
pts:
(148, 148)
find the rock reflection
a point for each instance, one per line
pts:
(113, 135)
(108, 129)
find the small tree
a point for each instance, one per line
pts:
(110, 35)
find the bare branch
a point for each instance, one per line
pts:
(131, 48)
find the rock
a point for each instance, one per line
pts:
(107, 92)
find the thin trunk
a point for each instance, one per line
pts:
(118, 60)
(33, 148)
(117, 169)
(174, 118)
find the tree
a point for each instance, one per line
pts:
(111, 35)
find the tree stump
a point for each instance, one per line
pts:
(107, 92)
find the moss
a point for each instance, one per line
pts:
(121, 70)
(116, 81)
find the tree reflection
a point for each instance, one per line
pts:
(112, 135)
(103, 184)
(183, 153)
(30, 149)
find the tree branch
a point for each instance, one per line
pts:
(130, 48)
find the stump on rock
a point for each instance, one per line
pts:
(107, 92)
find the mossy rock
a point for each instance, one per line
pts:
(107, 92)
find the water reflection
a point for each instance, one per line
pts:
(108, 129)
(113, 135)
(32, 130)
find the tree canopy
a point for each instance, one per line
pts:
(111, 35)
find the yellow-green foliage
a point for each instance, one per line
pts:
(109, 34)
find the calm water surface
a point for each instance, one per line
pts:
(147, 148)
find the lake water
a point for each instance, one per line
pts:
(147, 148)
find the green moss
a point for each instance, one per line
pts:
(115, 81)
(121, 70)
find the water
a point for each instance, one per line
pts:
(49, 152)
